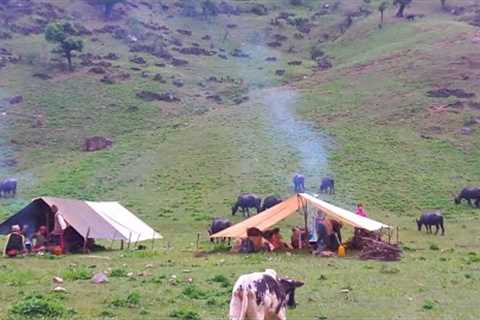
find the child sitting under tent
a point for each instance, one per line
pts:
(275, 240)
(15, 243)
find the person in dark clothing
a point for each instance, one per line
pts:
(15, 243)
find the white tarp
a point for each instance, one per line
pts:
(124, 222)
(343, 215)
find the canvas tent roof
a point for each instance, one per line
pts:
(272, 216)
(100, 220)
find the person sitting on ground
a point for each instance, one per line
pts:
(361, 210)
(15, 243)
(275, 239)
(40, 239)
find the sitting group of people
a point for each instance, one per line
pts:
(256, 240)
(18, 243)
(42, 241)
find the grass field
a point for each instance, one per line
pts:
(179, 165)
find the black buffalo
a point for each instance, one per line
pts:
(299, 183)
(429, 219)
(218, 224)
(270, 201)
(469, 194)
(327, 185)
(245, 201)
(8, 187)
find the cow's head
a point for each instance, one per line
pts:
(289, 286)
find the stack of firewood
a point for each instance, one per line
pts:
(372, 246)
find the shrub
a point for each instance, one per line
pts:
(428, 305)
(222, 280)
(118, 273)
(193, 292)
(185, 315)
(434, 247)
(40, 306)
(77, 273)
(131, 301)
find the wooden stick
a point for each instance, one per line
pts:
(398, 235)
(198, 239)
(138, 238)
(129, 240)
(85, 241)
(113, 239)
(153, 239)
(122, 244)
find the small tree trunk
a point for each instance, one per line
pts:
(68, 55)
(400, 11)
(108, 10)
(444, 5)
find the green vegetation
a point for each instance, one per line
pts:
(40, 306)
(179, 164)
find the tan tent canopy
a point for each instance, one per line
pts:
(274, 215)
(98, 220)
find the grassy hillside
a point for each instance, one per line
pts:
(368, 121)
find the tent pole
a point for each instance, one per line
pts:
(113, 239)
(138, 238)
(398, 235)
(129, 240)
(85, 241)
(122, 244)
(305, 217)
(153, 239)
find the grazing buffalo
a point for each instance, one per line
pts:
(8, 187)
(270, 201)
(430, 219)
(327, 185)
(299, 183)
(247, 201)
(469, 194)
(218, 224)
(262, 296)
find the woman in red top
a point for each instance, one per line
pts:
(361, 211)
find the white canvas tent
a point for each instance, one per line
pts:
(98, 220)
(281, 211)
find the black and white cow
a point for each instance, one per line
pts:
(261, 296)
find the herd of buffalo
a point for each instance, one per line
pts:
(247, 201)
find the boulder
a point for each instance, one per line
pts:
(99, 278)
(138, 60)
(97, 70)
(111, 56)
(15, 100)
(96, 143)
(178, 83)
(152, 96)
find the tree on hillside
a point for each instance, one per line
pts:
(109, 4)
(62, 34)
(401, 4)
(444, 4)
(383, 6)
